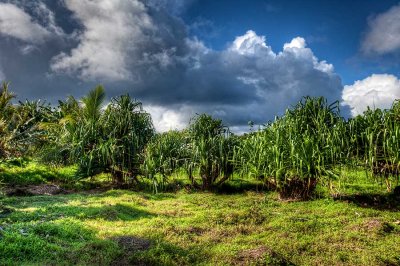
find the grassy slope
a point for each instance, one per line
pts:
(198, 228)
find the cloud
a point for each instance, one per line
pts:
(376, 91)
(297, 42)
(16, 23)
(146, 49)
(247, 81)
(383, 35)
(165, 119)
(112, 30)
(128, 42)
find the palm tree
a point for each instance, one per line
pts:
(100, 139)
(129, 128)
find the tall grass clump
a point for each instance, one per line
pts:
(376, 142)
(204, 151)
(298, 150)
(251, 156)
(212, 149)
(165, 154)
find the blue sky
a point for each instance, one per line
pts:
(333, 29)
(237, 60)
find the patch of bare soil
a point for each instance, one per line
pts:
(367, 226)
(34, 190)
(372, 225)
(130, 244)
(196, 230)
(261, 256)
(252, 256)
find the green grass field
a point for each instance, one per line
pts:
(234, 226)
(122, 227)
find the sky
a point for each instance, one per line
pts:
(239, 60)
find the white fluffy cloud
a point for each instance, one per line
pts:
(250, 44)
(15, 22)
(376, 91)
(297, 42)
(165, 119)
(383, 35)
(112, 32)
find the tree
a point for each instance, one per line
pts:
(129, 128)
(100, 138)
(212, 147)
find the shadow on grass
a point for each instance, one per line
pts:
(143, 251)
(70, 243)
(117, 212)
(49, 243)
(378, 201)
(144, 195)
(240, 186)
(27, 177)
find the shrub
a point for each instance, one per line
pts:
(295, 151)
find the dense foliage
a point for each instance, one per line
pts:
(307, 145)
(100, 138)
(296, 150)
(375, 139)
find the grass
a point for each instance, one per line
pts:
(28, 172)
(360, 181)
(185, 228)
(25, 172)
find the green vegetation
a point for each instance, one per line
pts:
(98, 141)
(375, 139)
(309, 188)
(294, 153)
(122, 227)
(24, 172)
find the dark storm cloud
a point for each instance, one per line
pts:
(144, 48)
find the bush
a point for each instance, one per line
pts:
(295, 151)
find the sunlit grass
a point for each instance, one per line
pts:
(28, 172)
(196, 228)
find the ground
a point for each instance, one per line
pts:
(122, 227)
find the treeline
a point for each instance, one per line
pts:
(291, 154)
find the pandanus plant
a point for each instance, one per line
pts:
(165, 154)
(377, 141)
(212, 148)
(20, 133)
(297, 150)
(128, 128)
(101, 138)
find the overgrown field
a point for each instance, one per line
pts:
(249, 228)
(90, 182)
(241, 224)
